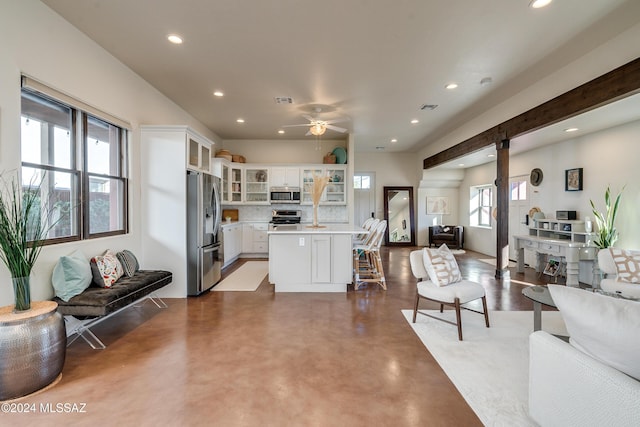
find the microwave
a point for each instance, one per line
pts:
(284, 194)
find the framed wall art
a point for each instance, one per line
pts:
(573, 179)
(437, 205)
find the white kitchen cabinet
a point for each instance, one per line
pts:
(235, 183)
(254, 239)
(198, 153)
(282, 176)
(232, 242)
(256, 184)
(335, 192)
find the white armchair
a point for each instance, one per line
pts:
(611, 283)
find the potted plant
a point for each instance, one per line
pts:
(23, 228)
(607, 235)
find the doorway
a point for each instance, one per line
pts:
(364, 196)
(518, 210)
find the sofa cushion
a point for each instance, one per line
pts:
(129, 262)
(94, 301)
(441, 266)
(606, 328)
(106, 269)
(71, 275)
(627, 264)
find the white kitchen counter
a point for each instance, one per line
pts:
(306, 259)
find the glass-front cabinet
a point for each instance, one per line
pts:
(235, 174)
(256, 185)
(198, 154)
(225, 183)
(335, 191)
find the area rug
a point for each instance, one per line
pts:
(492, 261)
(246, 278)
(490, 367)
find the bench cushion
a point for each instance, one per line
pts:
(94, 301)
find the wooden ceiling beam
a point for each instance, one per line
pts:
(619, 83)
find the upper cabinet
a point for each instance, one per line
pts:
(335, 191)
(282, 176)
(256, 184)
(198, 153)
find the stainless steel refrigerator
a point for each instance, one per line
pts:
(204, 255)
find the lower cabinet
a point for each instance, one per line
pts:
(232, 242)
(254, 238)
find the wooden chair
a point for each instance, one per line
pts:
(452, 295)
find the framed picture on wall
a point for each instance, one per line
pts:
(573, 179)
(437, 205)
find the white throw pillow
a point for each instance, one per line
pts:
(606, 328)
(441, 266)
(627, 265)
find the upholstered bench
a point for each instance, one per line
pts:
(96, 304)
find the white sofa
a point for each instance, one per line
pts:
(595, 379)
(569, 388)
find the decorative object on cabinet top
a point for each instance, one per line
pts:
(329, 158)
(224, 154)
(238, 158)
(341, 155)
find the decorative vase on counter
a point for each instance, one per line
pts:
(315, 215)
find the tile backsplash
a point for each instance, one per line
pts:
(332, 214)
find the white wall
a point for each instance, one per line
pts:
(269, 151)
(38, 42)
(391, 169)
(608, 158)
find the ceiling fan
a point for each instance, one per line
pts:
(318, 127)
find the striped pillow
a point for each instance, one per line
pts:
(129, 262)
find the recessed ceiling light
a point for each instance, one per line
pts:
(414, 121)
(281, 131)
(491, 155)
(174, 38)
(537, 4)
(218, 93)
(240, 120)
(460, 164)
(451, 86)
(571, 129)
(393, 141)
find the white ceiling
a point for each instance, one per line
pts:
(372, 61)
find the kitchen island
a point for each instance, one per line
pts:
(306, 259)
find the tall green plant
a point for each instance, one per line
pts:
(607, 233)
(24, 226)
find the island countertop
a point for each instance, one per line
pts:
(309, 229)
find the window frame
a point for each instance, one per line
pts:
(78, 170)
(475, 210)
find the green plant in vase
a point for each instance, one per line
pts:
(23, 229)
(607, 235)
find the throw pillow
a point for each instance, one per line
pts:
(441, 266)
(129, 262)
(627, 264)
(106, 269)
(71, 276)
(606, 328)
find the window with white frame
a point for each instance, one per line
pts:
(361, 182)
(77, 160)
(518, 190)
(480, 202)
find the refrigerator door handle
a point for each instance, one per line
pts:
(217, 212)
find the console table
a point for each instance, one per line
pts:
(573, 252)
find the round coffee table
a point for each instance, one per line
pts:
(540, 296)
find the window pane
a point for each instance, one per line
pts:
(45, 132)
(522, 190)
(366, 182)
(103, 147)
(357, 182)
(106, 206)
(55, 205)
(485, 216)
